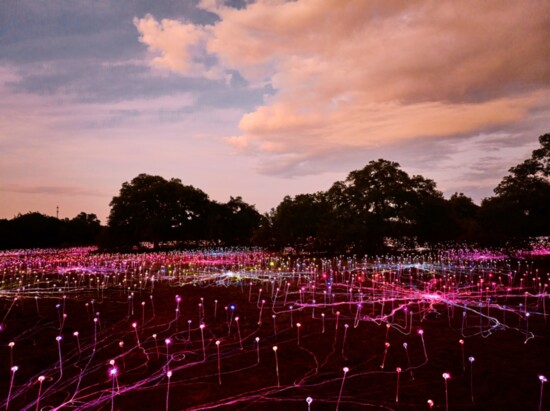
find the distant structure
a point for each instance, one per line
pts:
(57, 212)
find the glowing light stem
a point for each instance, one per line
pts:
(461, 342)
(405, 346)
(346, 326)
(169, 375)
(219, 363)
(202, 338)
(386, 346)
(257, 350)
(261, 310)
(276, 365)
(345, 369)
(156, 345)
(446, 376)
(398, 370)
(40, 381)
(387, 332)
(323, 322)
(13, 370)
(58, 339)
(167, 342)
(542, 379)
(274, 324)
(275, 299)
(134, 325)
(286, 293)
(95, 332)
(113, 372)
(358, 316)
(298, 326)
(309, 400)
(239, 333)
(11, 344)
(472, 359)
(76, 335)
(421, 332)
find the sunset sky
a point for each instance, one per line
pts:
(263, 99)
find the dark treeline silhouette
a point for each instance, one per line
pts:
(152, 209)
(374, 208)
(35, 230)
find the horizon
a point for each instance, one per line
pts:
(263, 99)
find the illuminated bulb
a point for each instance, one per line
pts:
(471, 359)
(41, 378)
(542, 378)
(345, 369)
(274, 348)
(446, 375)
(133, 324)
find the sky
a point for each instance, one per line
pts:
(263, 99)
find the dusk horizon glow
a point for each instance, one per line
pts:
(263, 99)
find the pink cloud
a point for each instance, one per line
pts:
(354, 74)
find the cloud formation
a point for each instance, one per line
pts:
(355, 75)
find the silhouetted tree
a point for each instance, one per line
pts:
(299, 221)
(84, 229)
(240, 222)
(382, 201)
(150, 208)
(520, 207)
(465, 218)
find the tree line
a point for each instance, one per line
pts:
(376, 207)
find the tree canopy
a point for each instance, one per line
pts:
(152, 209)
